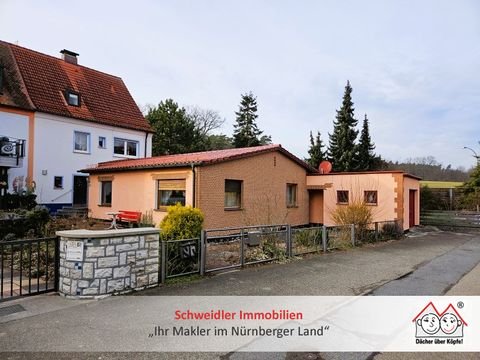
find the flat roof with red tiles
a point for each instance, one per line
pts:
(44, 80)
(371, 172)
(197, 159)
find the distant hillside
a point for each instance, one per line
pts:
(429, 169)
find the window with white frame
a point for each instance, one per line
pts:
(81, 142)
(125, 147)
(102, 142)
(58, 182)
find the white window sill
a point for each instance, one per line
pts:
(125, 156)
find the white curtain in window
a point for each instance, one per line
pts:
(81, 141)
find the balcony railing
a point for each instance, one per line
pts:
(12, 148)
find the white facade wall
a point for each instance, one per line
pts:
(55, 155)
(16, 126)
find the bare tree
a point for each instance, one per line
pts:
(205, 120)
(145, 108)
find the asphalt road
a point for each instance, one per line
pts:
(425, 264)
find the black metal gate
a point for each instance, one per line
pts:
(28, 267)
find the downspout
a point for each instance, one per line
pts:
(194, 185)
(146, 138)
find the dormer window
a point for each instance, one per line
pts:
(73, 98)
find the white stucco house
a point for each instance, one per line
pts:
(57, 117)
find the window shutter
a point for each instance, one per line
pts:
(171, 184)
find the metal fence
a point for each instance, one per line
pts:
(306, 240)
(231, 248)
(378, 231)
(28, 267)
(179, 257)
(235, 247)
(467, 219)
(339, 237)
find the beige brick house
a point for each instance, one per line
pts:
(248, 186)
(233, 187)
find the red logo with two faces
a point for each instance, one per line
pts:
(431, 323)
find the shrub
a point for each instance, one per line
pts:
(36, 220)
(391, 231)
(181, 222)
(18, 201)
(357, 213)
(431, 200)
(470, 200)
(307, 238)
(25, 224)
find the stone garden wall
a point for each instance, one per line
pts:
(100, 263)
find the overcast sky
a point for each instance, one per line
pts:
(414, 65)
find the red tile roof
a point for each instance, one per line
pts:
(198, 159)
(104, 98)
(371, 172)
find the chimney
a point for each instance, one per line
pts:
(69, 56)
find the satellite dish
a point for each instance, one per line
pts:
(325, 167)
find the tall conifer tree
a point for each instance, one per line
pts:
(342, 148)
(365, 154)
(246, 132)
(316, 152)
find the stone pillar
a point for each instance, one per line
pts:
(96, 263)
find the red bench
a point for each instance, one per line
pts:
(130, 217)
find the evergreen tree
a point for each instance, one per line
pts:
(470, 198)
(265, 140)
(365, 154)
(219, 142)
(174, 133)
(316, 152)
(342, 148)
(246, 132)
(473, 184)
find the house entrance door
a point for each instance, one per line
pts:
(316, 206)
(411, 207)
(80, 187)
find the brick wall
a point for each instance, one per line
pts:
(265, 179)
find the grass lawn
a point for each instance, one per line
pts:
(441, 184)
